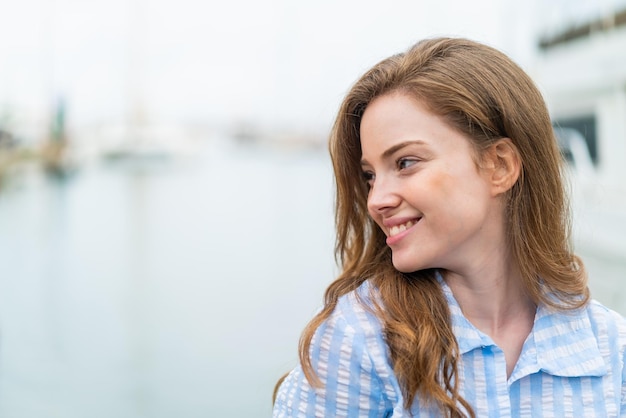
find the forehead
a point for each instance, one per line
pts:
(391, 113)
(398, 118)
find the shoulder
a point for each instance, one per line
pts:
(609, 331)
(607, 324)
(362, 337)
(604, 317)
(353, 330)
(356, 311)
(349, 356)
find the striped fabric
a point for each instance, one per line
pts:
(571, 365)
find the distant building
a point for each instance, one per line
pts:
(581, 67)
(580, 64)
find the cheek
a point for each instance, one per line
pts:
(462, 182)
(441, 184)
(459, 195)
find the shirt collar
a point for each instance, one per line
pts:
(565, 344)
(561, 343)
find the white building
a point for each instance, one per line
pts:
(580, 65)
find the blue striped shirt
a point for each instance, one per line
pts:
(571, 365)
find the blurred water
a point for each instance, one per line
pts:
(168, 289)
(173, 288)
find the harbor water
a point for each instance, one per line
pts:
(170, 287)
(161, 288)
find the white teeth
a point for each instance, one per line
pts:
(395, 230)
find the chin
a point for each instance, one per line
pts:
(411, 264)
(405, 266)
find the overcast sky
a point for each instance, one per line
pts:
(282, 63)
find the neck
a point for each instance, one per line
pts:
(498, 306)
(492, 298)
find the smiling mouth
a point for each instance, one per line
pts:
(397, 229)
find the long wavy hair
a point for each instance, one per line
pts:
(483, 94)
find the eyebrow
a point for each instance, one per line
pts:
(395, 148)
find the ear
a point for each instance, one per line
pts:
(504, 164)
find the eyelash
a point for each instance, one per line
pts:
(368, 176)
(400, 163)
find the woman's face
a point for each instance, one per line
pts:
(426, 191)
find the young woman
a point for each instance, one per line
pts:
(459, 293)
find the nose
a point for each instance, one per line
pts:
(382, 196)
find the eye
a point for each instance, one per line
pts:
(368, 178)
(406, 162)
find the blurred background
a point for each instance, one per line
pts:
(166, 196)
